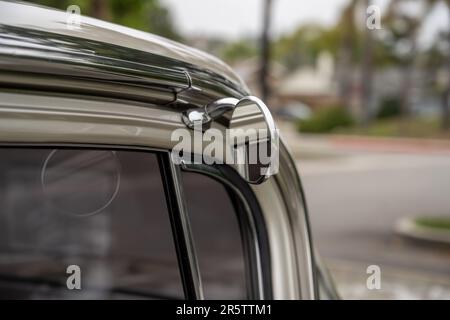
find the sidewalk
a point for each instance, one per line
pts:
(382, 144)
(352, 143)
(398, 284)
(357, 188)
(326, 154)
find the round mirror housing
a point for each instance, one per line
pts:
(251, 136)
(254, 140)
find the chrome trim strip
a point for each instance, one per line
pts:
(261, 294)
(288, 182)
(187, 231)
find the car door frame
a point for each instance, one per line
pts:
(45, 118)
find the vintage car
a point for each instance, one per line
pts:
(94, 204)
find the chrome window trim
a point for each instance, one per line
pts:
(260, 290)
(285, 284)
(194, 288)
(288, 180)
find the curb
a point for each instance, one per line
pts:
(392, 144)
(407, 227)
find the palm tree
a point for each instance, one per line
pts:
(366, 71)
(100, 9)
(265, 51)
(408, 34)
(346, 52)
(446, 95)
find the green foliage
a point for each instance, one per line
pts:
(389, 108)
(239, 50)
(439, 223)
(304, 45)
(85, 5)
(327, 120)
(410, 127)
(146, 15)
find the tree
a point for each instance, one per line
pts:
(346, 52)
(404, 31)
(366, 71)
(303, 46)
(238, 50)
(100, 9)
(265, 51)
(446, 94)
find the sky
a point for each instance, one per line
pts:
(233, 19)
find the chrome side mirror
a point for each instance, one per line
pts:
(251, 135)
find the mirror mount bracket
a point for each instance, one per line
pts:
(212, 111)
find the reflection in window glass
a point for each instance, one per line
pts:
(103, 211)
(217, 237)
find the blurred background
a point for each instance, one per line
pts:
(361, 91)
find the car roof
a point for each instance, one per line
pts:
(99, 48)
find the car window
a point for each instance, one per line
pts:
(100, 210)
(217, 237)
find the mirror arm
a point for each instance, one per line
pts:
(212, 111)
(221, 107)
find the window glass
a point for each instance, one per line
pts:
(102, 211)
(217, 237)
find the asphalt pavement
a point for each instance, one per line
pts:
(356, 193)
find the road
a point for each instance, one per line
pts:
(353, 212)
(355, 197)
